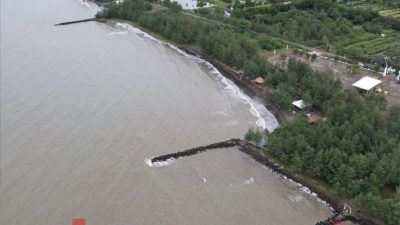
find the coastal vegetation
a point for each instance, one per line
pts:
(356, 151)
(254, 135)
(361, 33)
(232, 48)
(299, 81)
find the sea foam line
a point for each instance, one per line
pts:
(265, 119)
(159, 163)
(85, 3)
(290, 181)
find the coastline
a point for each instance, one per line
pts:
(253, 151)
(244, 84)
(256, 153)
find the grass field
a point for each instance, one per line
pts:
(363, 4)
(391, 12)
(369, 43)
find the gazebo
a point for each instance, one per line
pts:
(366, 84)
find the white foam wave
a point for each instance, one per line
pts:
(295, 198)
(265, 119)
(121, 25)
(299, 186)
(249, 181)
(85, 3)
(159, 164)
(118, 33)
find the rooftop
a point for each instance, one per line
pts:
(300, 104)
(366, 83)
(259, 80)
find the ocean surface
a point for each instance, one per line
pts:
(84, 106)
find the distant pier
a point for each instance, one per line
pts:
(79, 21)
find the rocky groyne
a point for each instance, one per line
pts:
(255, 153)
(193, 151)
(78, 21)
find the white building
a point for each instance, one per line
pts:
(367, 83)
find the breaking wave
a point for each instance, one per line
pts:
(295, 198)
(85, 3)
(249, 181)
(265, 119)
(118, 33)
(298, 185)
(160, 163)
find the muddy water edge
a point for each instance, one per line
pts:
(82, 107)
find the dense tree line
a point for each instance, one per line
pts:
(356, 151)
(230, 47)
(301, 82)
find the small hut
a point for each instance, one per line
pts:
(259, 82)
(299, 105)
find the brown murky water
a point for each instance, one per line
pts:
(83, 106)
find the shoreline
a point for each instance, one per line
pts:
(249, 149)
(244, 84)
(254, 153)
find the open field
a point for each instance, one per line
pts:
(391, 12)
(388, 8)
(363, 4)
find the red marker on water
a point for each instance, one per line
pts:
(78, 221)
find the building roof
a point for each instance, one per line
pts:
(259, 80)
(300, 104)
(367, 83)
